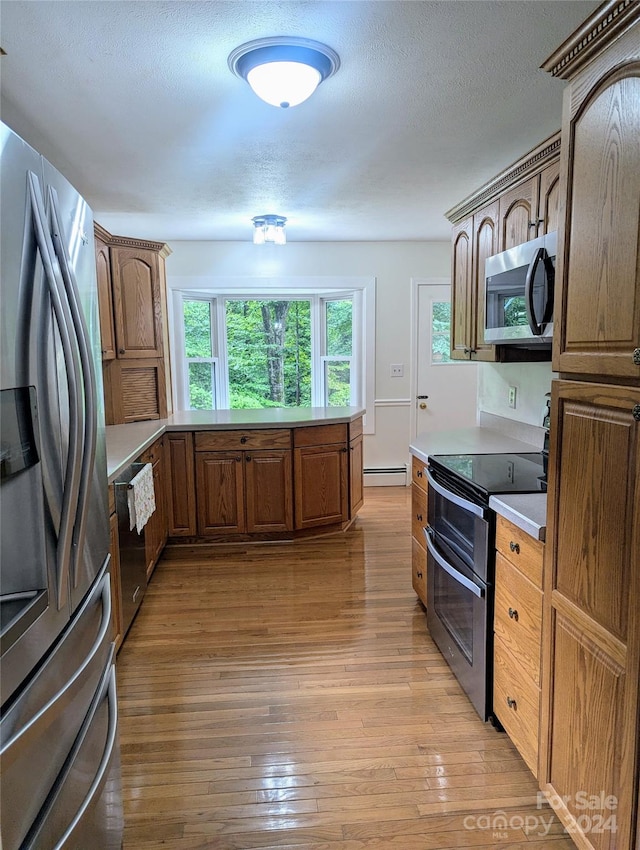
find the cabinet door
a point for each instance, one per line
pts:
(134, 390)
(598, 299)
(269, 490)
(156, 529)
(461, 290)
(220, 493)
(137, 300)
(180, 486)
(518, 214)
(114, 578)
(105, 301)
(591, 664)
(320, 485)
(356, 475)
(485, 244)
(548, 199)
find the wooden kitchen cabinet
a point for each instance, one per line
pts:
(114, 573)
(181, 487)
(356, 467)
(530, 209)
(518, 638)
(133, 325)
(418, 522)
(320, 475)
(517, 205)
(244, 481)
(591, 636)
(155, 531)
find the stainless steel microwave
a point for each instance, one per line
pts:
(519, 294)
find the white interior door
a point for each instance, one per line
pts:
(445, 391)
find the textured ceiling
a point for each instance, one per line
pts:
(135, 103)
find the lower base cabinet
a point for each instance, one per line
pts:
(114, 574)
(321, 475)
(155, 531)
(418, 523)
(180, 489)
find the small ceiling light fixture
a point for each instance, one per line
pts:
(269, 228)
(284, 71)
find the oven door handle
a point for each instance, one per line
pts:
(455, 574)
(457, 500)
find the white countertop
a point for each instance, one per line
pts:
(526, 510)
(479, 441)
(126, 442)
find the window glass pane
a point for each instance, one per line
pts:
(269, 353)
(201, 386)
(441, 332)
(337, 383)
(339, 318)
(197, 328)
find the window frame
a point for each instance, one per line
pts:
(362, 290)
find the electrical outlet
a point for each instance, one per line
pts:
(397, 370)
(512, 396)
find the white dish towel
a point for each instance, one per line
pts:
(141, 498)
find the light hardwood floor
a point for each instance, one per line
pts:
(289, 695)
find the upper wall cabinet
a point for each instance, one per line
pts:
(133, 326)
(598, 296)
(516, 206)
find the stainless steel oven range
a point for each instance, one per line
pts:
(460, 538)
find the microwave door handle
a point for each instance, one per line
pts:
(477, 510)
(455, 574)
(539, 256)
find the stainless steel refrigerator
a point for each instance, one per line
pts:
(59, 750)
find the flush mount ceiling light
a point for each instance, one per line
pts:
(284, 71)
(269, 228)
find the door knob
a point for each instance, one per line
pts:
(423, 405)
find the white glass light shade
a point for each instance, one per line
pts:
(284, 71)
(284, 84)
(269, 229)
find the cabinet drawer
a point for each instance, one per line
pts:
(257, 438)
(355, 428)
(516, 704)
(418, 475)
(518, 616)
(521, 549)
(153, 453)
(418, 513)
(320, 435)
(419, 570)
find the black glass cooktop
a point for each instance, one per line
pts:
(486, 475)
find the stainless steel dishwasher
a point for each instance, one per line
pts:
(133, 562)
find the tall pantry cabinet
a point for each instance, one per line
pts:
(591, 714)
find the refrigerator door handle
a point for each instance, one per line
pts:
(62, 313)
(11, 750)
(90, 419)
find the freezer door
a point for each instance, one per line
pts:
(39, 729)
(71, 225)
(85, 808)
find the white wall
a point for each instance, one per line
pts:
(393, 264)
(532, 381)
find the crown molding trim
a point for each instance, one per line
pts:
(160, 248)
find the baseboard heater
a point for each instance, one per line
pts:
(388, 476)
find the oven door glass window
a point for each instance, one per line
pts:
(454, 526)
(454, 606)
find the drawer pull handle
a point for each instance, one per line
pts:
(513, 614)
(419, 517)
(515, 547)
(511, 703)
(419, 574)
(243, 440)
(419, 474)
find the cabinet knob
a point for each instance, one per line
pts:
(636, 412)
(243, 440)
(515, 547)
(636, 356)
(511, 703)
(247, 457)
(344, 450)
(239, 459)
(513, 614)
(121, 351)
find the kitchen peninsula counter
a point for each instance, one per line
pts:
(125, 443)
